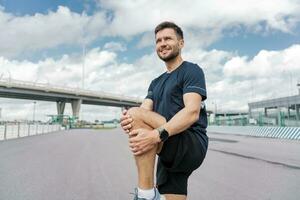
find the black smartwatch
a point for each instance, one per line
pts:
(163, 134)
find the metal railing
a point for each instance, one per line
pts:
(10, 130)
(292, 133)
(281, 119)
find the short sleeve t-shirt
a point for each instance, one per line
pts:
(167, 90)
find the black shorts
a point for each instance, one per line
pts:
(181, 154)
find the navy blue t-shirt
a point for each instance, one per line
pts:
(167, 90)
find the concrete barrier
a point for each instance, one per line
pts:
(292, 133)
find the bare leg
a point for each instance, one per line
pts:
(174, 197)
(145, 163)
(146, 119)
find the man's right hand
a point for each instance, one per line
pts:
(126, 121)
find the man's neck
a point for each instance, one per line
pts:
(174, 64)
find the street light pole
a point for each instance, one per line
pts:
(83, 64)
(216, 106)
(34, 103)
(290, 82)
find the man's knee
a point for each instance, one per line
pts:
(150, 118)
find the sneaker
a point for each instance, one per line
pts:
(156, 196)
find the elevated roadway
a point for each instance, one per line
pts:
(61, 95)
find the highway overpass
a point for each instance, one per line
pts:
(61, 95)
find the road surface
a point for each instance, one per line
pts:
(97, 165)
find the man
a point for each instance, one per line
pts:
(171, 122)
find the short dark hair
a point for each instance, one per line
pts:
(171, 25)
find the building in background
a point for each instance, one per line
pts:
(282, 111)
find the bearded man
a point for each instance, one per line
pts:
(171, 122)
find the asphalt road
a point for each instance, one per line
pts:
(97, 165)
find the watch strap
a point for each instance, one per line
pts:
(163, 134)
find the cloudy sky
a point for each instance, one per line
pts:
(249, 50)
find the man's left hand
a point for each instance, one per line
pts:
(142, 140)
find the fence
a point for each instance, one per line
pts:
(17, 130)
(280, 119)
(292, 133)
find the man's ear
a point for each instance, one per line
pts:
(181, 43)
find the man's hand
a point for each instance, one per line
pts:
(142, 140)
(126, 121)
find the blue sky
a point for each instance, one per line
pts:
(238, 44)
(250, 43)
(30, 7)
(244, 43)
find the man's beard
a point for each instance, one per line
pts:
(173, 55)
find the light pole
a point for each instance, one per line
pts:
(216, 106)
(33, 118)
(291, 83)
(290, 77)
(214, 116)
(83, 64)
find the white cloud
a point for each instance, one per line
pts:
(41, 31)
(203, 16)
(203, 21)
(232, 81)
(264, 64)
(23, 109)
(15, 69)
(115, 46)
(269, 74)
(102, 73)
(212, 62)
(146, 40)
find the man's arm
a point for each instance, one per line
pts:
(143, 139)
(147, 104)
(186, 116)
(183, 119)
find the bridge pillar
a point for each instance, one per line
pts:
(76, 103)
(289, 112)
(266, 112)
(250, 112)
(278, 119)
(60, 107)
(297, 111)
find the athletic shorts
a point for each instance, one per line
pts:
(181, 154)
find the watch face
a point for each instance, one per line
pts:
(164, 135)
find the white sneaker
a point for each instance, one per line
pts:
(157, 196)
